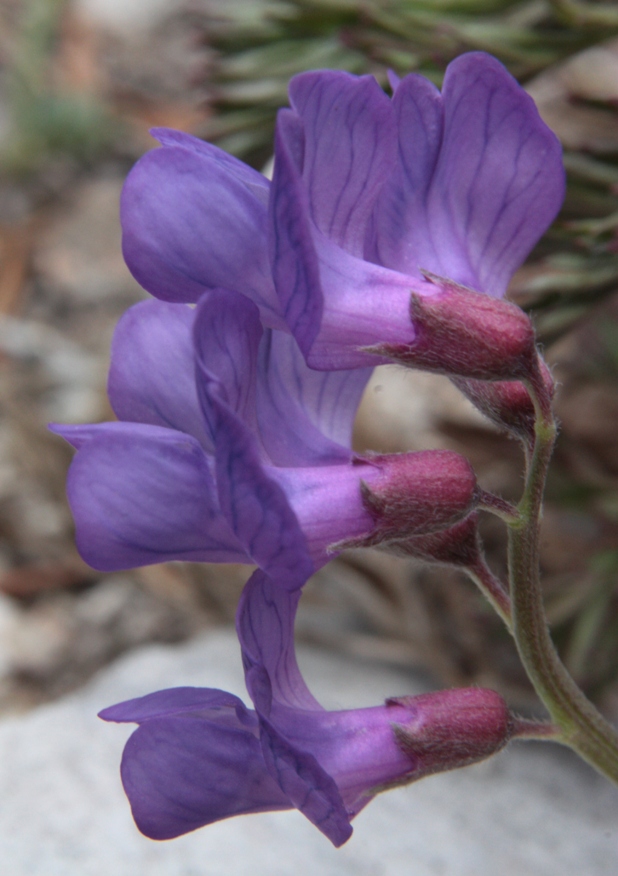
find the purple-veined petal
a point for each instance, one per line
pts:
(183, 773)
(306, 784)
(227, 332)
(226, 338)
(142, 494)
(349, 148)
(255, 181)
(305, 416)
(178, 701)
(326, 762)
(295, 268)
(505, 188)
(151, 377)
(399, 236)
(498, 180)
(265, 626)
(189, 224)
(333, 302)
(255, 506)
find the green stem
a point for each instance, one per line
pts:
(577, 14)
(582, 727)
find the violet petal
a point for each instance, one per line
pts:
(151, 377)
(349, 149)
(189, 224)
(255, 181)
(255, 506)
(399, 236)
(333, 302)
(305, 416)
(507, 185)
(265, 626)
(227, 331)
(226, 337)
(183, 773)
(295, 267)
(177, 701)
(142, 494)
(309, 787)
(497, 180)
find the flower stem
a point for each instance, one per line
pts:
(498, 506)
(525, 728)
(582, 727)
(493, 590)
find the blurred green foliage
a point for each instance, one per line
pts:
(47, 121)
(261, 44)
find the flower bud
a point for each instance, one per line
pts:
(418, 493)
(466, 333)
(507, 403)
(452, 728)
(459, 545)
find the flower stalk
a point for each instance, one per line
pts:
(493, 589)
(581, 726)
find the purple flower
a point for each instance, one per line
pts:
(369, 194)
(230, 449)
(199, 755)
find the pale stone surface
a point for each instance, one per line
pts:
(532, 811)
(125, 16)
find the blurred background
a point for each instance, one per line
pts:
(81, 82)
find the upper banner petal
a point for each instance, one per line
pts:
(334, 303)
(399, 236)
(294, 262)
(306, 784)
(349, 149)
(256, 507)
(504, 188)
(265, 625)
(497, 183)
(227, 333)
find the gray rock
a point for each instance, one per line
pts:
(125, 16)
(532, 811)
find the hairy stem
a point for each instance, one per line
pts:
(582, 727)
(493, 589)
(526, 728)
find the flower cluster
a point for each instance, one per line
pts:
(200, 755)
(229, 448)
(389, 233)
(369, 196)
